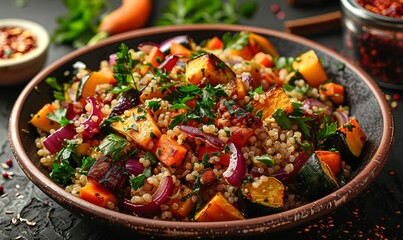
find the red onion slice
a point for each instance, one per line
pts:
(54, 142)
(133, 166)
(282, 175)
(169, 63)
(208, 138)
(112, 59)
(160, 196)
(165, 46)
(91, 125)
(311, 102)
(237, 167)
(341, 117)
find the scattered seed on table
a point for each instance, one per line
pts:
(280, 15)
(5, 166)
(29, 223)
(9, 162)
(8, 212)
(1, 189)
(275, 8)
(388, 97)
(393, 104)
(14, 220)
(3, 195)
(396, 97)
(5, 175)
(18, 237)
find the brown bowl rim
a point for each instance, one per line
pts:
(269, 223)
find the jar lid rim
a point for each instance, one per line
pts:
(361, 12)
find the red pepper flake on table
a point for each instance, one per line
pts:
(15, 42)
(389, 8)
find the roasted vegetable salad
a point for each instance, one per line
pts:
(226, 129)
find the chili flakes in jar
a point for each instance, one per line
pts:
(388, 8)
(15, 42)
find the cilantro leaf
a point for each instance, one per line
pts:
(138, 181)
(113, 145)
(58, 93)
(59, 116)
(266, 159)
(62, 172)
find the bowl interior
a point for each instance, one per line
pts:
(364, 98)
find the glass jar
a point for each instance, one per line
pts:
(375, 42)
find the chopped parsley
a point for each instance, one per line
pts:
(112, 145)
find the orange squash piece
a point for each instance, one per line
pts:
(139, 126)
(180, 207)
(41, 121)
(90, 82)
(97, 195)
(276, 98)
(169, 151)
(333, 91)
(155, 57)
(218, 209)
(332, 159)
(310, 67)
(355, 136)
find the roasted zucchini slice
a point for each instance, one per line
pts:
(265, 195)
(315, 179)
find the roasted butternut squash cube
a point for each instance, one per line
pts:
(89, 83)
(208, 68)
(218, 209)
(182, 204)
(310, 67)
(276, 98)
(138, 125)
(41, 121)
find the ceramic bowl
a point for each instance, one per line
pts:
(18, 70)
(364, 97)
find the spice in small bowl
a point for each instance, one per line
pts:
(23, 50)
(373, 37)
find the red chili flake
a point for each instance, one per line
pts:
(280, 15)
(5, 175)
(392, 173)
(275, 8)
(9, 162)
(389, 8)
(396, 97)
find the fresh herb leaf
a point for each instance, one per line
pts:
(62, 172)
(282, 119)
(87, 162)
(327, 129)
(284, 62)
(201, 11)
(124, 69)
(138, 181)
(58, 93)
(59, 116)
(266, 159)
(154, 105)
(151, 157)
(113, 145)
(237, 41)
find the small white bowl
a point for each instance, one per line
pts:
(22, 69)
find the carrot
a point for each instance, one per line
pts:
(264, 59)
(208, 176)
(240, 135)
(132, 14)
(240, 89)
(261, 44)
(332, 159)
(97, 195)
(215, 43)
(333, 91)
(191, 103)
(155, 57)
(146, 68)
(41, 121)
(179, 49)
(169, 151)
(218, 209)
(224, 157)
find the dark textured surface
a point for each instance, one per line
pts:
(374, 213)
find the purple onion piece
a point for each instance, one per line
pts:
(169, 63)
(133, 166)
(311, 102)
(197, 133)
(91, 125)
(247, 78)
(165, 46)
(146, 47)
(341, 117)
(127, 100)
(282, 175)
(54, 142)
(160, 196)
(112, 59)
(236, 170)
